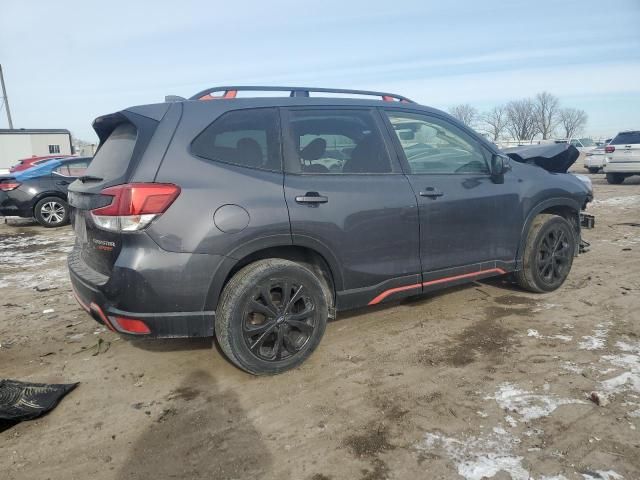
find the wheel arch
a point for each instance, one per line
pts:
(42, 195)
(567, 208)
(325, 266)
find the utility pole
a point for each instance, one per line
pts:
(5, 99)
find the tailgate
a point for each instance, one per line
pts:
(123, 139)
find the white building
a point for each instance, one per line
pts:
(19, 143)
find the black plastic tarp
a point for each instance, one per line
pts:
(555, 157)
(25, 401)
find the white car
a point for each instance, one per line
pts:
(594, 160)
(584, 145)
(622, 156)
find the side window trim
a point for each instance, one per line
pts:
(401, 153)
(291, 162)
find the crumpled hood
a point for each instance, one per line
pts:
(556, 157)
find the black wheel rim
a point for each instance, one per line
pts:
(554, 256)
(279, 320)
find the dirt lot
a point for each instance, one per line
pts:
(475, 381)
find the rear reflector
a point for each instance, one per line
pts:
(609, 149)
(8, 186)
(131, 325)
(134, 205)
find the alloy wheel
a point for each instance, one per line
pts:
(52, 212)
(279, 320)
(554, 256)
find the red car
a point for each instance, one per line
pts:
(26, 163)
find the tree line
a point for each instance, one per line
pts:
(524, 119)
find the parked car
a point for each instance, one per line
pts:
(257, 219)
(27, 163)
(41, 191)
(595, 159)
(584, 145)
(623, 156)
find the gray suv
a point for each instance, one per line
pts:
(257, 219)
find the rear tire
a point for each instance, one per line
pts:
(594, 169)
(548, 254)
(271, 316)
(51, 212)
(615, 178)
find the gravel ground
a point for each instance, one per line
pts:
(478, 381)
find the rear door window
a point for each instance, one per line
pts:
(626, 138)
(336, 141)
(248, 138)
(72, 169)
(112, 158)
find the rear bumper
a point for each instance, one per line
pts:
(594, 161)
(622, 167)
(10, 208)
(167, 297)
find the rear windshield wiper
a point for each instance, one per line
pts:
(90, 178)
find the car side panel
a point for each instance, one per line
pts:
(211, 188)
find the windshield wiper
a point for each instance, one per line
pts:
(90, 178)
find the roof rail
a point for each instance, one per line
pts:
(231, 92)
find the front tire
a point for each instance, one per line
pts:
(548, 254)
(615, 178)
(271, 316)
(51, 212)
(594, 169)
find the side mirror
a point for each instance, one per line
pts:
(500, 164)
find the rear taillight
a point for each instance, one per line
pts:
(134, 205)
(609, 149)
(8, 186)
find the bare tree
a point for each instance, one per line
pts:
(573, 121)
(465, 113)
(495, 122)
(547, 107)
(521, 119)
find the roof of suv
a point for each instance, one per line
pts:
(295, 96)
(377, 99)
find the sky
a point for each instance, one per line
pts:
(69, 61)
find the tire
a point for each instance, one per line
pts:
(594, 169)
(51, 212)
(548, 254)
(261, 333)
(615, 178)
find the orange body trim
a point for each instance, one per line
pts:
(391, 291)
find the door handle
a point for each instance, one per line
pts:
(63, 182)
(312, 198)
(431, 192)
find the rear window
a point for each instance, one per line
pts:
(72, 169)
(626, 138)
(113, 157)
(249, 138)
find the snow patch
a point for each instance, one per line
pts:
(626, 201)
(629, 360)
(535, 334)
(572, 367)
(595, 341)
(527, 404)
(602, 475)
(479, 457)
